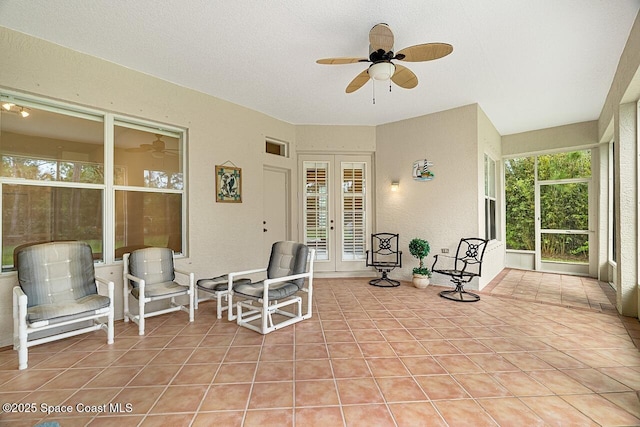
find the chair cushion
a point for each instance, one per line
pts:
(276, 291)
(56, 272)
(287, 259)
(153, 265)
(161, 290)
(219, 283)
(67, 310)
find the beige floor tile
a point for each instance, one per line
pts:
(359, 391)
(463, 413)
(180, 399)
(601, 410)
(397, 356)
(440, 387)
(367, 415)
(556, 412)
(400, 389)
(510, 412)
(416, 414)
(322, 416)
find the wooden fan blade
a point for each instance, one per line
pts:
(404, 77)
(425, 52)
(358, 82)
(339, 61)
(380, 37)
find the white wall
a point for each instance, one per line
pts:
(575, 135)
(490, 143)
(442, 210)
(333, 139)
(218, 131)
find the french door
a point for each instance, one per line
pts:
(335, 209)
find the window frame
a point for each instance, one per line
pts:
(490, 181)
(109, 121)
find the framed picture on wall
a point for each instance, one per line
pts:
(228, 184)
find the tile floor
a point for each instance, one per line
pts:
(369, 357)
(557, 289)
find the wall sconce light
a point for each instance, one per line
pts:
(7, 106)
(395, 185)
(24, 113)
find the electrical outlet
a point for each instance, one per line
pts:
(444, 250)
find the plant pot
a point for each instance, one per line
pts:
(420, 281)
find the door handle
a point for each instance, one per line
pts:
(264, 230)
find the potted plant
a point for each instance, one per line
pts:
(420, 248)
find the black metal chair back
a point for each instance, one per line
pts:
(470, 253)
(466, 265)
(384, 256)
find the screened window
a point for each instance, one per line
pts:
(562, 181)
(54, 186)
(519, 181)
(490, 197)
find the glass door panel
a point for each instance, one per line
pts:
(316, 208)
(353, 211)
(335, 210)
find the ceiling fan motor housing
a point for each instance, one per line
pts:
(382, 70)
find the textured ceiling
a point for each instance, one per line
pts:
(528, 64)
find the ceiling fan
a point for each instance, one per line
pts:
(381, 54)
(157, 148)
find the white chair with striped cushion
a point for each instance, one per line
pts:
(149, 275)
(58, 288)
(287, 274)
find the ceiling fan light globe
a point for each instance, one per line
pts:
(382, 71)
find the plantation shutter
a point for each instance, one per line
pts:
(353, 211)
(316, 208)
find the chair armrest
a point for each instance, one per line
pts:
(238, 273)
(181, 271)
(101, 283)
(268, 282)
(19, 310)
(440, 256)
(288, 278)
(19, 297)
(141, 282)
(134, 278)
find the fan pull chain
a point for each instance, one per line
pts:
(373, 84)
(389, 86)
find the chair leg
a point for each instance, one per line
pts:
(126, 302)
(141, 315)
(23, 350)
(385, 278)
(459, 294)
(110, 324)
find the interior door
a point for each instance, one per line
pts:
(275, 224)
(336, 209)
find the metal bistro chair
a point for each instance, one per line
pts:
(462, 268)
(384, 256)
